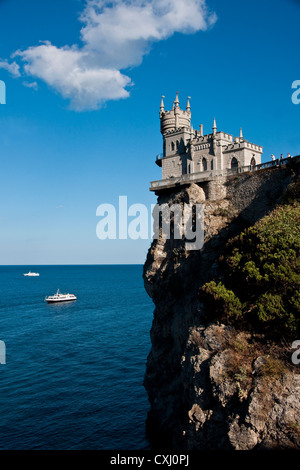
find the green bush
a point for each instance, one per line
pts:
(225, 300)
(261, 268)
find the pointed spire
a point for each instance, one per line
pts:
(241, 133)
(162, 106)
(176, 102)
(188, 106)
(215, 126)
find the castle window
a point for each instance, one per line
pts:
(177, 144)
(172, 146)
(234, 163)
(204, 164)
(253, 162)
(212, 165)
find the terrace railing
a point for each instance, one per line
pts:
(208, 175)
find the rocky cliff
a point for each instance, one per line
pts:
(212, 385)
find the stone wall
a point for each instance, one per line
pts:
(171, 166)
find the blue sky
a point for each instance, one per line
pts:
(80, 126)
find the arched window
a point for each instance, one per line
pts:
(253, 162)
(204, 164)
(172, 146)
(234, 163)
(177, 144)
(212, 165)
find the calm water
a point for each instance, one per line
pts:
(73, 374)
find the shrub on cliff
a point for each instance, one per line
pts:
(225, 300)
(261, 268)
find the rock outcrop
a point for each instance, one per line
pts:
(211, 386)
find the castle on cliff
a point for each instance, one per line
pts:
(191, 154)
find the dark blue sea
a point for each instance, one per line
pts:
(73, 377)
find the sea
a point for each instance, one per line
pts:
(71, 374)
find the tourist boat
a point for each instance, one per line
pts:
(31, 274)
(58, 297)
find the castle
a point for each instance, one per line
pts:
(188, 154)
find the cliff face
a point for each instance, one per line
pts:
(211, 386)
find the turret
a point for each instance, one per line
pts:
(176, 111)
(162, 106)
(214, 127)
(176, 102)
(188, 106)
(176, 118)
(214, 137)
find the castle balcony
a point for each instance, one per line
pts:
(173, 181)
(158, 159)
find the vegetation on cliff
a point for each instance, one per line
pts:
(261, 281)
(221, 374)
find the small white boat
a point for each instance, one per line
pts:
(58, 297)
(31, 274)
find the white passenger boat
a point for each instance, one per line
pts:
(58, 297)
(31, 274)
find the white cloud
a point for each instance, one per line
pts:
(120, 35)
(68, 72)
(13, 68)
(33, 85)
(115, 36)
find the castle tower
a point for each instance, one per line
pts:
(189, 152)
(176, 118)
(177, 132)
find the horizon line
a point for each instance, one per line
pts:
(76, 264)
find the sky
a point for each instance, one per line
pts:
(80, 126)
